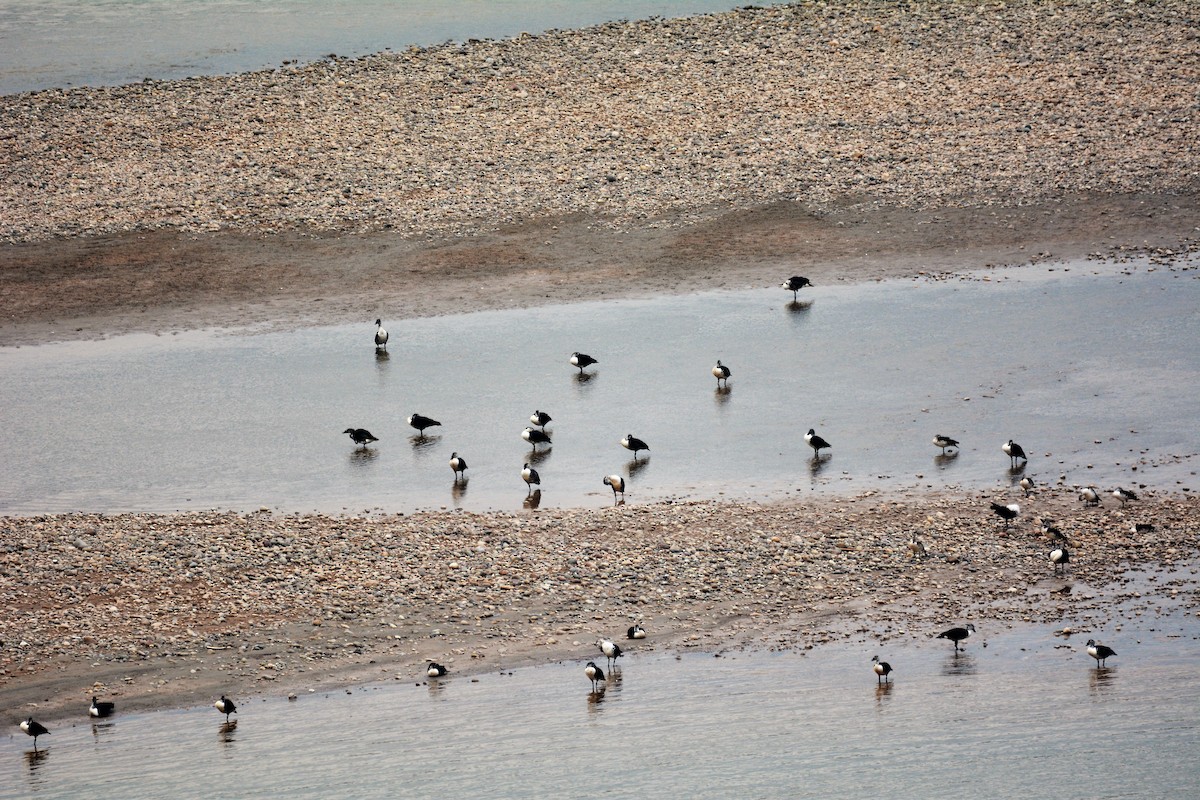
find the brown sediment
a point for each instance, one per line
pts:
(170, 610)
(846, 141)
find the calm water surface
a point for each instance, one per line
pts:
(1095, 374)
(106, 42)
(1027, 715)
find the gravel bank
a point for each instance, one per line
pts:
(903, 104)
(170, 610)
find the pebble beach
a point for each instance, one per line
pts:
(1077, 120)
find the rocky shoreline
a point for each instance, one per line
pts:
(171, 610)
(665, 121)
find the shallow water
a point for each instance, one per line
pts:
(108, 42)
(1019, 713)
(1093, 373)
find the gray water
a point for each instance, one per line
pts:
(1019, 713)
(1095, 374)
(110, 42)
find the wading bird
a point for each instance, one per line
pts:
(794, 284)
(943, 442)
(956, 635)
(582, 360)
(881, 668)
(1099, 651)
(34, 729)
(539, 418)
(721, 373)
(360, 436)
(535, 437)
(616, 483)
(611, 650)
(631, 442)
(530, 476)
(1013, 451)
(594, 673)
(1007, 513)
(421, 423)
(101, 708)
(815, 442)
(459, 465)
(381, 336)
(1060, 557)
(225, 706)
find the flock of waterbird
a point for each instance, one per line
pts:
(536, 434)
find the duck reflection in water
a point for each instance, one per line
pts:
(1102, 680)
(944, 460)
(818, 463)
(533, 499)
(634, 466)
(722, 395)
(225, 733)
(459, 490)
(381, 356)
(424, 441)
(363, 455)
(540, 456)
(882, 693)
(1015, 473)
(799, 308)
(36, 759)
(960, 662)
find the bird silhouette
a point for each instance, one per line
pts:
(360, 436)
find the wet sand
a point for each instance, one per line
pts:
(172, 610)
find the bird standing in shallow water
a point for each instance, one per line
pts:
(421, 423)
(631, 442)
(582, 360)
(381, 336)
(1060, 557)
(881, 668)
(535, 437)
(594, 673)
(956, 635)
(635, 632)
(1124, 495)
(944, 442)
(616, 483)
(611, 650)
(225, 706)
(1099, 651)
(1013, 451)
(815, 442)
(435, 670)
(34, 729)
(1007, 513)
(459, 465)
(360, 436)
(530, 476)
(101, 708)
(721, 373)
(794, 284)
(539, 418)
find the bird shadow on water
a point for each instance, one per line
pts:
(423, 443)
(959, 663)
(944, 461)
(36, 759)
(225, 733)
(1102, 680)
(533, 499)
(362, 456)
(1016, 473)
(635, 465)
(798, 309)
